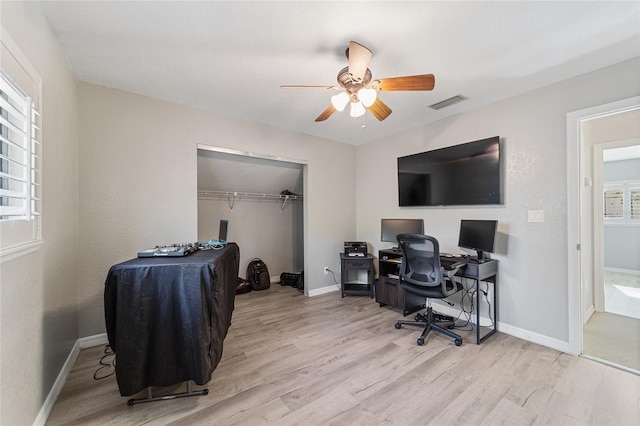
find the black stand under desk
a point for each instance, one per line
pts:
(352, 271)
(486, 271)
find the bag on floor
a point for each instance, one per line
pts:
(289, 279)
(292, 279)
(243, 286)
(258, 275)
(299, 284)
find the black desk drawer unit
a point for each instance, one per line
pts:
(388, 290)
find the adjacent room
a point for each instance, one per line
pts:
(152, 150)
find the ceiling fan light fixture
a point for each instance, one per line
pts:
(357, 109)
(340, 101)
(367, 96)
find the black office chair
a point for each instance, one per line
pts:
(422, 275)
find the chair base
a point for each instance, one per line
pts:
(431, 321)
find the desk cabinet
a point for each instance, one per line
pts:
(356, 275)
(388, 291)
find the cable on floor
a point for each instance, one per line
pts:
(107, 362)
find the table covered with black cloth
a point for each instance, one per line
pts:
(167, 317)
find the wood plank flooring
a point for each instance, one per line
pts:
(289, 359)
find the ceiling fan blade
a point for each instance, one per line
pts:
(359, 57)
(379, 109)
(291, 86)
(326, 113)
(411, 82)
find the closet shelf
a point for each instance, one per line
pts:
(233, 196)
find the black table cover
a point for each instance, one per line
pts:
(167, 318)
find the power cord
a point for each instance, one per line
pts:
(467, 313)
(106, 363)
(469, 295)
(334, 278)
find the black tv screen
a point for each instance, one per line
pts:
(460, 175)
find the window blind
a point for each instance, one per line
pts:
(20, 153)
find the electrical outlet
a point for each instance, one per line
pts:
(326, 270)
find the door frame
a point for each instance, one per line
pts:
(576, 178)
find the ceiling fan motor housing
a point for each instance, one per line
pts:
(346, 80)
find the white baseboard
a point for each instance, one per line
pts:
(532, 337)
(511, 330)
(587, 313)
(47, 406)
(323, 290)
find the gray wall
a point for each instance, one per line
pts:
(622, 241)
(532, 256)
(38, 304)
(138, 181)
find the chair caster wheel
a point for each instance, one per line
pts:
(420, 342)
(398, 325)
(458, 342)
(417, 318)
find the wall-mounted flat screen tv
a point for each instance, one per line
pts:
(461, 175)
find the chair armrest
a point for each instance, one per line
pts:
(452, 269)
(456, 265)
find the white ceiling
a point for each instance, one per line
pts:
(231, 57)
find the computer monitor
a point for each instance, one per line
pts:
(222, 232)
(478, 235)
(392, 227)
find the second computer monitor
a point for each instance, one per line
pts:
(478, 235)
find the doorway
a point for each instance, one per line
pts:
(617, 223)
(586, 232)
(612, 332)
(262, 199)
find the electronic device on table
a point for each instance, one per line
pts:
(222, 236)
(390, 228)
(355, 248)
(478, 235)
(171, 250)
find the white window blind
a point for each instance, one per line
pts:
(20, 148)
(634, 203)
(613, 203)
(20, 152)
(622, 203)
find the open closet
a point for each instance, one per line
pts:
(261, 197)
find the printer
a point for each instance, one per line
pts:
(355, 248)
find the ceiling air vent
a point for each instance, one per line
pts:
(448, 102)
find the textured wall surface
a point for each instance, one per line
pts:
(38, 306)
(533, 289)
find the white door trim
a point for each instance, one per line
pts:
(574, 210)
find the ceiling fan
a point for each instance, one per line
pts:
(357, 87)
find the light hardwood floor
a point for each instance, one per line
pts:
(289, 359)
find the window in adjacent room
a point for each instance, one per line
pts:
(622, 203)
(20, 153)
(613, 203)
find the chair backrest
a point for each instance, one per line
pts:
(420, 260)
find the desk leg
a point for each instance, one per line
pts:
(494, 318)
